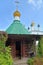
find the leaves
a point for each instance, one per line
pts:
(40, 47)
(5, 56)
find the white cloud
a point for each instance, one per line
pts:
(36, 3)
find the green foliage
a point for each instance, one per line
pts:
(35, 61)
(40, 47)
(30, 61)
(5, 56)
(38, 60)
(3, 38)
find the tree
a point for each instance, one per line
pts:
(40, 47)
(3, 38)
(5, 56)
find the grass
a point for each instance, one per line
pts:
(38, 61)
(35, 61)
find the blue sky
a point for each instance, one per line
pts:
(31, 10)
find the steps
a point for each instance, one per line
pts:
(20, 64)
(22, 61)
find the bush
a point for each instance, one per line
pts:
(38, 60)
(30, 61)
(5, 56)
(35, 61)
(40, 47)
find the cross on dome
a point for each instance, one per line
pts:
(17, 13)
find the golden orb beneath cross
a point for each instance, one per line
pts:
(17, 13)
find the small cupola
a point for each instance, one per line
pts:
(16, 13)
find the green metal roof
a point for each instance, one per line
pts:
(17, 28)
